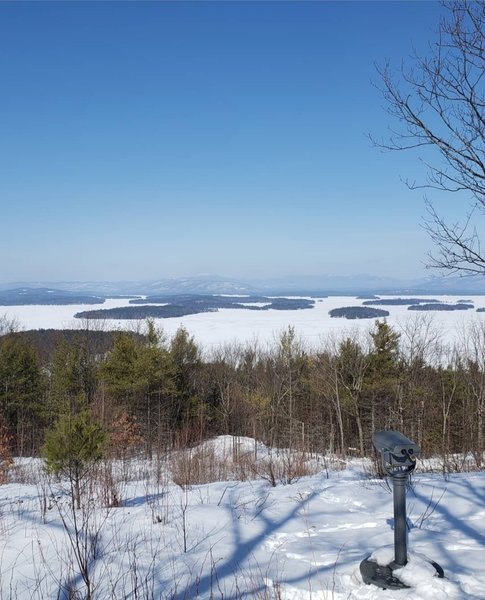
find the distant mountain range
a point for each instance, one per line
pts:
(293, 285)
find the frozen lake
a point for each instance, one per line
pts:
(228, 325)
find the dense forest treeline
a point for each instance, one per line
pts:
(162, 392)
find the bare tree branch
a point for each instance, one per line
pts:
(439, 105)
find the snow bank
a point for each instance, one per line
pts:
(232, 539)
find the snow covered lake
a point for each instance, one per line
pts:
(228, 325)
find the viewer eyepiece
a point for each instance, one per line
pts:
(398, 453)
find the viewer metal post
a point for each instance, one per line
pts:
(398, 455)
(400, 526)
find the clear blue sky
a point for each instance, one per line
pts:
(141, 140)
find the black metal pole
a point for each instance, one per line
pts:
(398, 455)
(400, 526)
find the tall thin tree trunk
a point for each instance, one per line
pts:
(361, 432)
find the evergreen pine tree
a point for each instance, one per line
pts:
(71, 448)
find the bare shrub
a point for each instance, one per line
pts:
(124, 436)
(196, 466)
(285, 466)
(26, 470)
(210, 462)
(6, 460)
(110, 483)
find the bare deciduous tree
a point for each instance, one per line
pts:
(438, 104)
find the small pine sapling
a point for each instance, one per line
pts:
(74, 444)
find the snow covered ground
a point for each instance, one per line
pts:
(229, 539)
(229, 325)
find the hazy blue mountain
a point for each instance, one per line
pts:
(194, 285)
(291, 285)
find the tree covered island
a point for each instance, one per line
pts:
(188, 304)
(358, 312)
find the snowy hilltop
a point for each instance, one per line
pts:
(182, 527)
